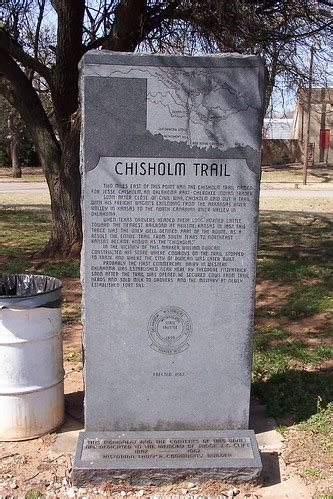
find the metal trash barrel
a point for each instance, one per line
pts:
(31, 359)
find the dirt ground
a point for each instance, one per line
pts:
(41, 467)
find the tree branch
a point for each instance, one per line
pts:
(127, 30)
(41, 4)
(142, 20)
(14, 49)
(18, 90)
(69, 51)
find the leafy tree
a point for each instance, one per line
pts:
(34, 60)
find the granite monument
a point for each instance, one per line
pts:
(170, 185)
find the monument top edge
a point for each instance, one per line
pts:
(233, 59)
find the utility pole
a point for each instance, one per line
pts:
(307, 136)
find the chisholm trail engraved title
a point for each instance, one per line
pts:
(161, 168)
(169, 330)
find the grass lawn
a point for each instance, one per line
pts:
(29, 174)
(294, 174)
(293, 327)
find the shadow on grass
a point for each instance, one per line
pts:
(43, 208)
(285, 373)
(25, 232)
(295, 393)
(305, 300)
(294, 246)
(297, 249)
(68, 269)
(323, 176)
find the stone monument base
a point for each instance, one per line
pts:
(152, 457)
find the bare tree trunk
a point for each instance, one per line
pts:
(61, 167)
(14, 132)
(59, 159)
(65, 193)
(14, 147)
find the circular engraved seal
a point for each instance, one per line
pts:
(169, 330)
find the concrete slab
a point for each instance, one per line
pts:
(267, 437)
(67, 436)
(292, 488)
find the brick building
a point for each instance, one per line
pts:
(321, 121)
